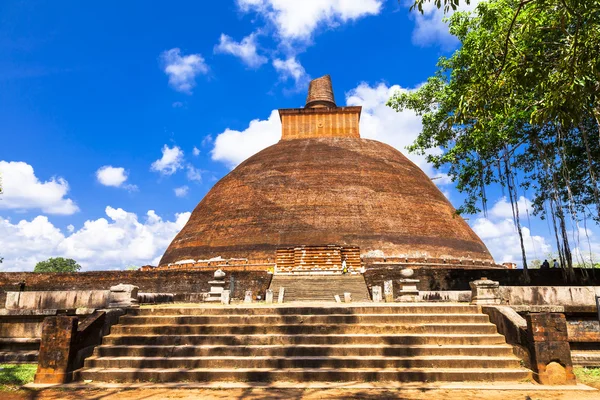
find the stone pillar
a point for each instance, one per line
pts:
(388, 291)
(248, 296)
(56, 350)
(376, 294)
(123, 296)
(549, 348)
(408, 286)
(269, 296)
(347, 297)
(485, 291)
(225, 294)
(281, 294)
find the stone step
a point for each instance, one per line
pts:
(8, 344)
(303, 362)
(18, 357)
(419, 308)
(291, 329)
(304, 374)
(396, 319)
(303, 350)
(276, 339)
(324, 287)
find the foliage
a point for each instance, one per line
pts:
(588, 376)
(518, 104)
(57, 264)
(13, 376)
(448, 4)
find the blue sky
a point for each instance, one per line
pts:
(116, 118)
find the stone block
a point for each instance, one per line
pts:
(388, 291)
(485, 291)
(376, 294)
(56, 350)
(225, 294)
(248, 296)
(269, 296)
(337, 298)
(124, 296)
(549, 348)
(347, 297)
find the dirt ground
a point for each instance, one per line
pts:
(297, 394)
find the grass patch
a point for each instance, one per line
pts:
(588, 376)
(13, 376)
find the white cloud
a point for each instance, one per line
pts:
(232, 147)
(382, 123)
(196, 151)
(194, 174)
(182, 70)
(113, 176)
(245, 50)
(503, 209)
(430, 27)
(170, 162)
(291, 69)
(111, 243)
(298, 20)
(181, 191)
(22, 190)
(500, 235)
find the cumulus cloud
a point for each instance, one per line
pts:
(170, 162)
(105, 243)
(196, 151)
(380, 122)
(232, 147)
(245, 50)
(182, 69)
(430, 27)
(298, 20)
(290, 68)
(113, 176)
(181, 191)
(22, 190)
(194, 174)
(500, 235)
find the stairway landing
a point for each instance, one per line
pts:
(320, 288)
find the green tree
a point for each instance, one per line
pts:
(518, 104)
(57, 264)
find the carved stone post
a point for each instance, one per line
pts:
(485, 291)
(550, 350)
(56, 350)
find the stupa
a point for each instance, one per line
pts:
(324, 187)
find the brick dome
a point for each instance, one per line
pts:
(317, 191)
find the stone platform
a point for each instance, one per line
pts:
(301, 343)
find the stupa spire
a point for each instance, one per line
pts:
(320, 93)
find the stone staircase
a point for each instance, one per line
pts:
(320, 287)
(401, 343)
(19, 350)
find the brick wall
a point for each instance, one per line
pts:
(148, 281)
(458, 279)
(304, 123)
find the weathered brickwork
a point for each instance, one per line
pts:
(176, 281)
(458, 278)
(306, 123)
(314, 192)
(549, 348)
